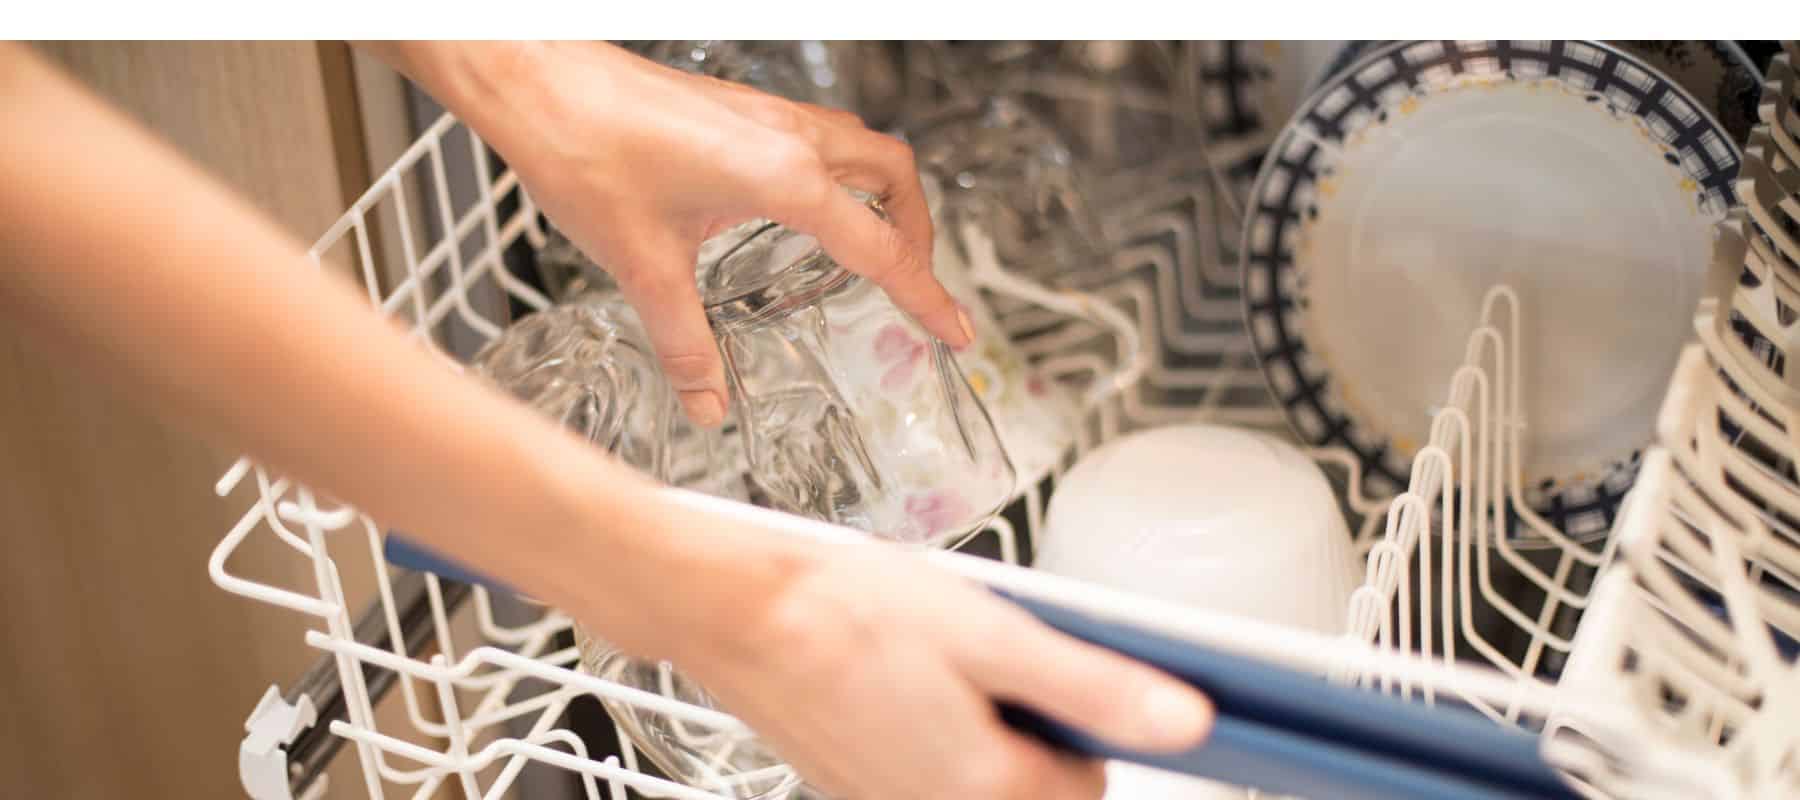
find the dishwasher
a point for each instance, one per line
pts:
(1628, 628)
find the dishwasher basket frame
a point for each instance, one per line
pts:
(1430, 584)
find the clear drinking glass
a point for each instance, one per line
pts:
(727, 763)
(848, 410)
(1007, 202)
(1116, 102)
(588, 365)
(582, 366)
(1034, 413)
(1005, 170)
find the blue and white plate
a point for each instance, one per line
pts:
(1427, 171)
(1718, 73)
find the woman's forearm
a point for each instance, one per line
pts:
(126, 260)
(492, 86)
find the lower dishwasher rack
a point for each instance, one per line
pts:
(1448, 611)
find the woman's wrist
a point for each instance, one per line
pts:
(483, 83)
(657, 577)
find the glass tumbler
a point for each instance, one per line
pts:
(583, 366)
(1036, 414)
(1115, 102)
(588, 365)
(1007, 203)
(1005, 170)
(848, 410)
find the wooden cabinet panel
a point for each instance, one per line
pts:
(126, 673)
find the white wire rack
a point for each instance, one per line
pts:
(485, 697)
(1709, 696)
(1510, 607)
(1694, 630)
(458, 698)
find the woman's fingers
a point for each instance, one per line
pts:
(1108, 695)
(658, 281)
(882, 166)
(877, 250)
(853, 156)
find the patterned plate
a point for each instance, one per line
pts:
(1717, 73)
(1416, 178)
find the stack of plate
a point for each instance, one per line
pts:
(1422, 173)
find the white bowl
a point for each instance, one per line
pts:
(1208, 516)
(1128, 781)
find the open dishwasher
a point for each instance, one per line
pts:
(1640, 663)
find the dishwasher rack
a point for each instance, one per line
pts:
(485, 686)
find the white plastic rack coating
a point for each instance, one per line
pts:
(1448, 611)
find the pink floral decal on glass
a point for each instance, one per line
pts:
(901, 352)
(938, 511)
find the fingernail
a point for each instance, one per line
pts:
(703, 407)
(968, 328)
(1176, 716)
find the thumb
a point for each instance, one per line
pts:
(658, 281)
(1106, 694)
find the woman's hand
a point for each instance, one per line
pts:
(876, 675)
(639, 163)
